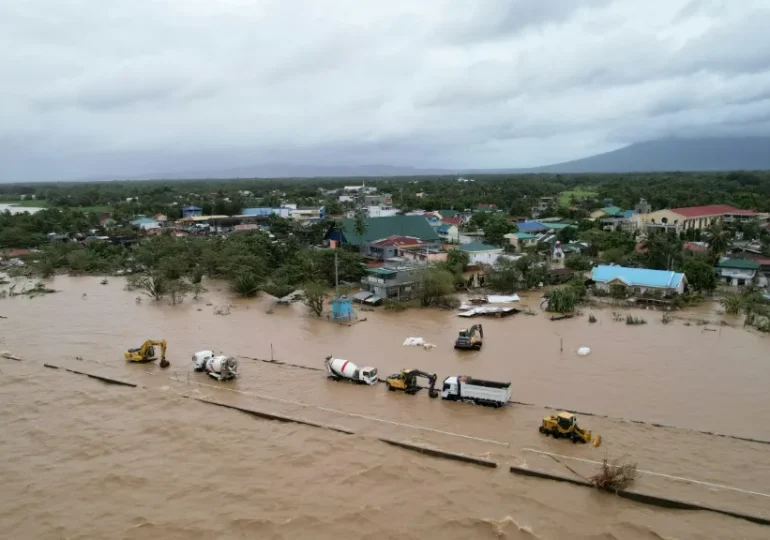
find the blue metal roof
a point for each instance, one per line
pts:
(625, 213)
(531, 226)
(256, 211)
(444, 227)
(637, 277)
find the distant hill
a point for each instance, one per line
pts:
(725, 154)
(281, 170)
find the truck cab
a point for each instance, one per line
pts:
(449, 388)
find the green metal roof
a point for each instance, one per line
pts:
(524, 236)
(557, 226)
(448, 213)
(611, 210)
(381, 271)
(742, 264)
(381, 227)
(477, 246)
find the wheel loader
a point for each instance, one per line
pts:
(564, 426)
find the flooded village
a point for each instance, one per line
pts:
(656, 366)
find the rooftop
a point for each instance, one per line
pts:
(637, 277)
(477, 247)
(398, 241)
(611, 210)
(711, 210)
(524, 236)
(531, 226)
(452, 220)
(741, 264)
(382, 227)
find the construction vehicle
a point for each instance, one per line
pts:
(344, 370)
(146, 353)
(219, 367)
(564, 426)
(480, 392)
(406, 381)
(470, 338)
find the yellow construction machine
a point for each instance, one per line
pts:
(406, 381)
(470, 338)
(564, 426)
(146, 353)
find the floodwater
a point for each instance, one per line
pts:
(20, 209)
(86, 460)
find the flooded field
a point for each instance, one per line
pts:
(97, 461)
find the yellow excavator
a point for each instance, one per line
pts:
(406, 381)
(470, 338)
(564, 426)
(146, 353)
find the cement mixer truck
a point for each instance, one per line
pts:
(221, 368)
(344, 370)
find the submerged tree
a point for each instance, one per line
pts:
(314, 298)
(154, 286)
(245, 284)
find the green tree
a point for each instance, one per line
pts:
(360, 227)
(436, 285)
(579, 263)
(314, 297)
(719, 240)
(245, 284)
(495, 228)
(700, 275)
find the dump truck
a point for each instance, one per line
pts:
(464, 388)
(470, 338)
(564, 426)
(219, 367)
(344, 370)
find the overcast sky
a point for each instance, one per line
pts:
(109, 87)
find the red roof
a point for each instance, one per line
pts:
(761, 260)
(711, 210)
(17, 252)
(452, 220)
(695, 247)
(429, 215)
(398, 241)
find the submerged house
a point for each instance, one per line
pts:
(641, 280)
(740, 272)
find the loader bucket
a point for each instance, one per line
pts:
(597, 441)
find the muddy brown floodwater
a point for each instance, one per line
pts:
(86, 460)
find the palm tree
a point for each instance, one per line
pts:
(359, 227)
(719, 240)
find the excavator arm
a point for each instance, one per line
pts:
(412, 380)
(146, 353)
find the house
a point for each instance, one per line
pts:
(387, 248)
(160, 218)
(696, 247)
(454, 220)
(191, 211)
(695, 217)
(397, 278)
(433, 218)
(471, 237)
(545, 203)
(490, 207)
(383, 227)
(481, 253)
(640, 279)
(283, 212)
(145, 223)
(521, 240)
(309, 214)
(739, 272)
(381, 211)
(622, 220)
(380, 199)
(448, 233)
(423, 254)
(449, 214)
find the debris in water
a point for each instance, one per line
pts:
(418, 342)
(584, 351)
(222, 310)
(104, 281)
(9, 356)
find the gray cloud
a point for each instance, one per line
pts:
(90, 88)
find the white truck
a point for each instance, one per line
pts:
(340, 369)
(219, 367)
(464, 388)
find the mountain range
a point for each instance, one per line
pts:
(663, 155)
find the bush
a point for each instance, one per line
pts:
(618, 291)
(562, 300)
(246, 285)
(314, 298)
(579, 263)
(733, 304)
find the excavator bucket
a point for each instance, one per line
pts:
(597, 441)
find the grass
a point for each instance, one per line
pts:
(565, 197)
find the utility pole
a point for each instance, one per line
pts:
(336, 276)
